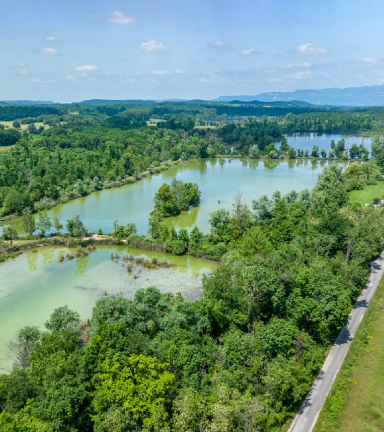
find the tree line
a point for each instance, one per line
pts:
(294, 266)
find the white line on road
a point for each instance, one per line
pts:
(306, 418)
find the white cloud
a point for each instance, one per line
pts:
(309, 49)
(291, 65)
(153, 47)
(36, 80)
(212, 78)
(217, 44)
(247, 52)
(301, 75)
(167, 72)
(24, 72)
(93, 16)
(70, 77)
(51, 38)
(21, 64)
(48, 52)
(85, 68)
(120, 18)
(128, 80)
(274, 79)
(370, 60)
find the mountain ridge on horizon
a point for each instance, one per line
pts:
(349, 96)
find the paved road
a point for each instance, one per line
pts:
(306, 418)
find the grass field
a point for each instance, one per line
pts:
(358, 394)
(367, 194)
(5, 148)
(8, 124)
(154, 121)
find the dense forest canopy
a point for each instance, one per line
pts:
(228, 362)
(81, 148)
(292, 265)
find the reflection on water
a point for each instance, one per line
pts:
(219, 180)
(35, 283)
(308, 140)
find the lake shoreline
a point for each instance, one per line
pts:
(17, 246)
(171, 164)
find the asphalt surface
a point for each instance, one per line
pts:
(306, 418)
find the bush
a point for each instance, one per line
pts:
(64, 200)
(355, 185)
(371, 182)
(216, 251)
(129, 180)
(44, 205)
(175, 246)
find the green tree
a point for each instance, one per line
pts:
(139, 386)
(76, 227)
(221, 227)
(254, 241)
(8, 232)
(16, 124)
(284, 147)
(195, 242)
(292, 153)
(254, 152)
(63, 318)
(354, 151)
(32, 128)
(44, 223)
(315, 151)
(29, 225)
(155, 225)
(130, 229)
(57, 225)
(165, 201)
(20, 349)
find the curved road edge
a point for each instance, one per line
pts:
(305, 419)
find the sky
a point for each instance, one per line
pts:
(68, 51)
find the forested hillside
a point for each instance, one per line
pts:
(227, 362)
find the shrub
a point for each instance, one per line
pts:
(129, 180)
(175, 246)
(216, 251)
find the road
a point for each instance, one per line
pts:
(306, 418)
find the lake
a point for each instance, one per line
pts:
(308, 140)
(35, 283)
(218, 179)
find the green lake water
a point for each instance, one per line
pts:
(218, 179)
(35, 283)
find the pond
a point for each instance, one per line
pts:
(218, 179)
(35, 283)
(308, 140)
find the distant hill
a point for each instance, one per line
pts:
(26, 102)
(282, 104)
(351, 96)
(101, 102)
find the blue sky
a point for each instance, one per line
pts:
(69, 50)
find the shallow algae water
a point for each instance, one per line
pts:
(219, 180)
(35, 283)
